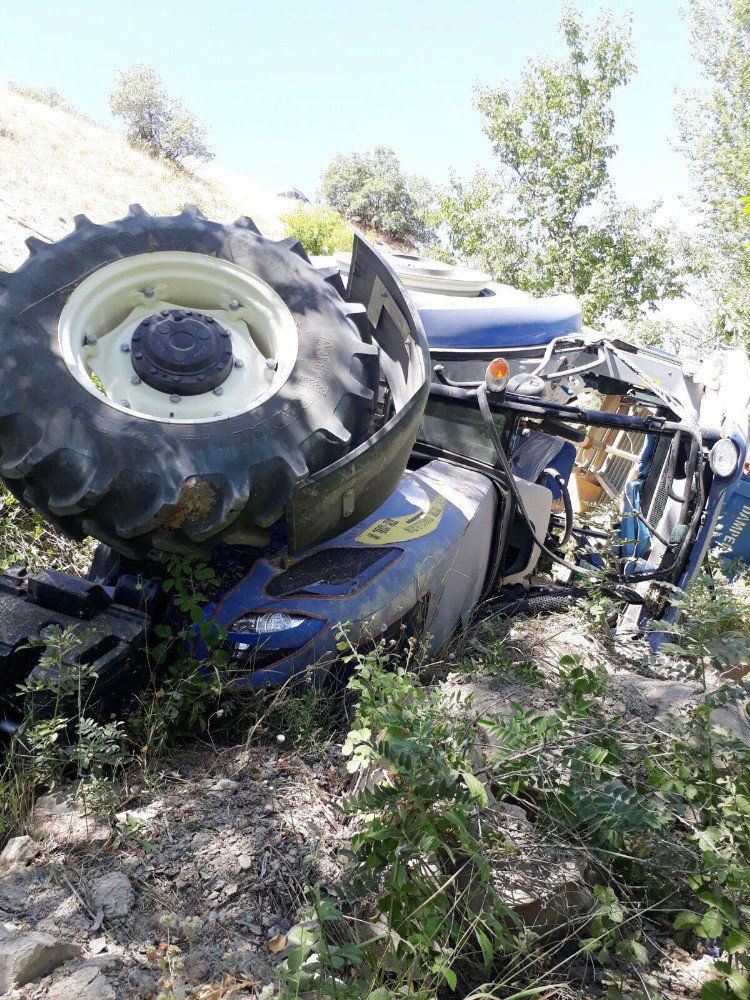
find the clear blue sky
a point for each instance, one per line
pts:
(283, 87)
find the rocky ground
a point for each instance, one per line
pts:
(214, 862)
(211, 857)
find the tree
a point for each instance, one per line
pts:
(715, 136)
(370, 189)
(549, 220)
(156, 123)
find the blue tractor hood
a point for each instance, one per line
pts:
(498, 317)
(462, 309)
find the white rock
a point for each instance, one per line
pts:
(86, 984)
(28, 955)
(19, 850)
(222, 786)
(143, 814)
(63, 817)
(114, 893)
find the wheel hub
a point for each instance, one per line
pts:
(181, 351)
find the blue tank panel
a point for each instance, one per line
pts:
(490, 321)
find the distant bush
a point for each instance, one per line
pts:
(320, 230)
(51, 97)
(156, 123)
(371, 189)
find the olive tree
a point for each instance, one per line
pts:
(371, 190)
(156, 123)
(549, 219)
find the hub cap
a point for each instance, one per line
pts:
(181, 351)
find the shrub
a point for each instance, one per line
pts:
(417, 894)
(320, 230)
(51, 97)
(156, 123)
(26, 538)
(371, 189)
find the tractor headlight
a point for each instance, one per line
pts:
(723, 458)
(268, 623)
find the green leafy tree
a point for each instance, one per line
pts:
(549, 219)
(156, 123)
(714, 128)
(373, 191)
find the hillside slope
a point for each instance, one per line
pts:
(54, 165)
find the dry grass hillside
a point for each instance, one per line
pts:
(54, 165)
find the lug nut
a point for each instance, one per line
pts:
(134, 380)
(125, 348)
(125, 402)
(239, 363)
(148, 291)
(271, 364)
(218, 391)
(218, 413)
(234, 305)
(90, 339)
(175, 399)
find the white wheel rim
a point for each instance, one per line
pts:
(103, 312)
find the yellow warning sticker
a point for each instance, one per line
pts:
(402, 529)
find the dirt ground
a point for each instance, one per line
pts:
(214, 854)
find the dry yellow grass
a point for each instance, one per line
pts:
(54, 166)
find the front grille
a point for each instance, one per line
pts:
(329, 567)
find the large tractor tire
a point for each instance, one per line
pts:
(165, 382)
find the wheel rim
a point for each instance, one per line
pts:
(102, 324)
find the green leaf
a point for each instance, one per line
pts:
(487, 949)
(711, 925)
(686, 919)
(295, 959)
(639, 953)
(736, 940)
(713, 991)
(475, 787)
(739, 984)
(450, 976)
(708, 838)
(381, 993)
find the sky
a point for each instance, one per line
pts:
(284, 87)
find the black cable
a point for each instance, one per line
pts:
(484, 408)
(656, 574)
(567, 504)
